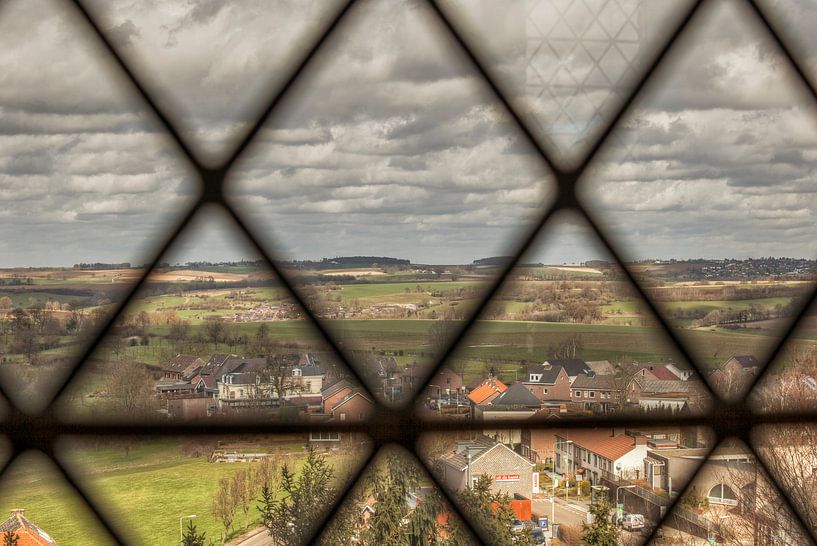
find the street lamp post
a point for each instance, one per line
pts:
(567, 470)
(181, 532)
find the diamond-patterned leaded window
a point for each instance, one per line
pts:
(408, 272)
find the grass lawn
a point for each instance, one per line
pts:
(35, 484)
(723, 305)
(143, 491)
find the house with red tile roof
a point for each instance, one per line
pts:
(594, 453)
(487, 391)
(27, 533)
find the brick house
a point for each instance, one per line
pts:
(182, 367)
(355, 407)
(444, 383)
(539, 444)
(746, 364)
(27, 533)
(597, 393)
(510, 472)
(334, 393)
(548, 383)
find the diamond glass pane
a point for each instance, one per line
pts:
(212, 67)
(90, 188)
(395, 502)
(212, 333)
(789, 455)
(708, 192)
(559, 475)
(732, 501)
(566, 67)
(146, 485)
(566, 335)
(40, 507)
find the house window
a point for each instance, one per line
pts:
(592, 394)
(324, 436)
(722, 494)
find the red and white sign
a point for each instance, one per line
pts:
(506, 478)
(535, 482)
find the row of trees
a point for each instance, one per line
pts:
(289, 504)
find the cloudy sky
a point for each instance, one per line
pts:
(566, 238)
(389, 143)
(85, 173)
(567, 67)
(717, 157)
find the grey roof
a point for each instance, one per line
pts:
(600, 382)
(310, 370)
(237, 364)
(573, 366)
(549, 374)
(516, 395)
(747, 361)
(657, 386)
(329, 390)
(602, 367)
(478, 447)
(248, 378)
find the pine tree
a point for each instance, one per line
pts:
(304, 498)
(191, 536)
(492, 511)
(10, 538)
(602, 532)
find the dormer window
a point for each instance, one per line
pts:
(297, 372)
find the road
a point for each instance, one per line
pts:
(259, 539)
(570, 513)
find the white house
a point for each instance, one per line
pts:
(592, 453)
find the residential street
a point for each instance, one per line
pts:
(570, 512)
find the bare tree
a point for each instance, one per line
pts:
(243, 493)
(130, 387)
(789, 453)
(224, 505)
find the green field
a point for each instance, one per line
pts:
(143, 492)
(378, 290)
(730, 305)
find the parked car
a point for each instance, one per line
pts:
(517, 526)
(631, 522)
(537, 538)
